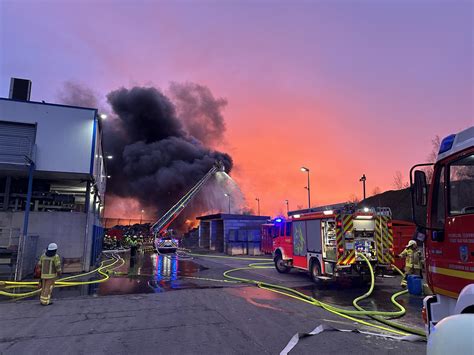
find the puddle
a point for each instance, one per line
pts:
(343, 292)
(147, 273)
(256, 296)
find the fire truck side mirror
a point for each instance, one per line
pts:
(421, 188)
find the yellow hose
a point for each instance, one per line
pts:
(348, 314)
(62, 282)
(377, 315)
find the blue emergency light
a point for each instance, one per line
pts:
(446, 144)
(278, 220)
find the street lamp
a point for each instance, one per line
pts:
(258, 205)
(303, 169)
(141, 216)
(228, 196)
(287, 207)
(362, 179)
(103, 116)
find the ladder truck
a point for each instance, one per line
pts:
(449, 225)
(164, 239)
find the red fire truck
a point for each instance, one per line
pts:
(403, 232)
(449, 244)
(324, 242)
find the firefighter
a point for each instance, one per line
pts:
(133, 246)
(50, 266)
(412, 261)
(108, 242)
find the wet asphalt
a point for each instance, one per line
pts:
(137, 311)
(153, 273)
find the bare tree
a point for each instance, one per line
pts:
(435, 143)
(398, 183)
(376, 191)
(353, 199)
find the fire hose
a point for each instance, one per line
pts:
(104, 268)
(394, 327)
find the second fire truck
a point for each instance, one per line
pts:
(327, 242)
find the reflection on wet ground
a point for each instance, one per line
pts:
(146, 273)
(152, 273)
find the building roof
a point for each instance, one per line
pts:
(48, 104)
(232, 216)
(335, 206)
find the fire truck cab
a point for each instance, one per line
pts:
(327, 242)
(449, 244)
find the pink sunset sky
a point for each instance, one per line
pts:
(343, 87)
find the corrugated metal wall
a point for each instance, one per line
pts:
(16, 142)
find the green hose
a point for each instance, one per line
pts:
(377, 315)
(62, 282)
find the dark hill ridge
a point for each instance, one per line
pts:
(399, 201)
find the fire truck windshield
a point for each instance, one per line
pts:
(461, 186)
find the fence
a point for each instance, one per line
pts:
(17, 252)
(9, 238)
(26, 259)
(112, 222)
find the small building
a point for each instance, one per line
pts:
(233, 234)
(52, 180)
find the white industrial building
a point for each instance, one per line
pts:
(60, 147)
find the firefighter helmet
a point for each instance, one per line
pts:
(52, 246)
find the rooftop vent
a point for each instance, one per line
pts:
(20, 89)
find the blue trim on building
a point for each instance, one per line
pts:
(94, 134)
(97, 242)
(48, 104)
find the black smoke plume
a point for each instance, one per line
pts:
(159, 155)
(77, 94)
(199, 111)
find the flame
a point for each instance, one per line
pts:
(191, 224)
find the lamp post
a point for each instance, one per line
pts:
(303, 169)
(141, 216)
(258, 205)
(362, 179)
(228, 196)
(287, 207)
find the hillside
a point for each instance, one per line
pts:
(399, 202)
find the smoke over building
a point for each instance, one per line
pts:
(162, 145)
(156, 158)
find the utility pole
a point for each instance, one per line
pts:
(362, 179)
(258, 205)
(287, 207)
(307, 187)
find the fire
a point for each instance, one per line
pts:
(190, 224)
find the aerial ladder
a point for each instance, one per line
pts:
(164, 241)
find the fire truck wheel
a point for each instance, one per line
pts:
(280, 264)
(315, 271)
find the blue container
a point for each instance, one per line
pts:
(415, 285)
